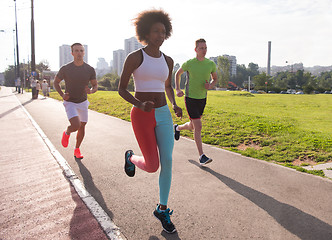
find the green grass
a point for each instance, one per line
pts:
(272, 127)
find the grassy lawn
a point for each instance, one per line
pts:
(293, 130)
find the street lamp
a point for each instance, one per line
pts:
(17, 55)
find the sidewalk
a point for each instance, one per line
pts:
(37, 201)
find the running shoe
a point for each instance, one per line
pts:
(176, 132)
(164, 218)
(203, 160)
(77, 153)
(65, 139)
(129, 166)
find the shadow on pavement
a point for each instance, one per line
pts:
(82, 224)
(168, 236)
(301, 224)
(91, 187)
(13, 109)
(4, 96)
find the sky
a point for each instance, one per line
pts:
(299, 30)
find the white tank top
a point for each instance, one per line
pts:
(151, 75)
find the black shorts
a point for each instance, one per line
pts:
(195, 107)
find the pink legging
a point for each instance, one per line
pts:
(154, 131)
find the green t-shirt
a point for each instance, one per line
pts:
(197, 73)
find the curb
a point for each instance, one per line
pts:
(110, 229)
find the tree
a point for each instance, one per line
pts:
(24, 72)
(241, 75)
(280, 80)
(253, 69)
(324, 81)
(261, 81)
(10, 76)
(223, 68)
(110, 82)
(43, 66)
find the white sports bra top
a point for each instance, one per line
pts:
(151, 75)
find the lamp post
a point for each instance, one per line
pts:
(17, 55)
(33, 61)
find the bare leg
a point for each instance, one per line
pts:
(75, 124)
(80, 134)
(197, 135)
(196, 125)
(186, 126)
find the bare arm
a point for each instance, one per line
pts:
(178, 74)
(56, 83)
(210, 85)
(169, 88)
(94, 88)
(214, 79)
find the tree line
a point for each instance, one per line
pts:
(10, 73)
(282, 81)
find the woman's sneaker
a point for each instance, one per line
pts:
(129, 166)
(164, 218)
(203, 160)
(176, 132)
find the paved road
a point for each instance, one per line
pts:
(37, 201)
(235, 197)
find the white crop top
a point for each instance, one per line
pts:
(151, 75)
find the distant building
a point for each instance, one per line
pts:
(118, 60)
(102, 64)
(130, 45)
(232, 63)
(290, 68)
(119, 56)
(66, 57)
(102, 67)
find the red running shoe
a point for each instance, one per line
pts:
(77, 153)
(65, 139)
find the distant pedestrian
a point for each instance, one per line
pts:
(199, 70)
(33, 87)
(77, 76)
(150, 116)
(38, 87)
(45, 87)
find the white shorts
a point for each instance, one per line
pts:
(77, 110)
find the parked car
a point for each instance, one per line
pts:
(253, 91)
(283, 92)
(328, 92)
(291, 91)
(271, 92)
(299, 92)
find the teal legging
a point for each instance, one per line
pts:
(154, 131)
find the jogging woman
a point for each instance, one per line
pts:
(150, 116)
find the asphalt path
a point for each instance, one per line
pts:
(234, 197)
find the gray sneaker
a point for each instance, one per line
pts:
(203, 160)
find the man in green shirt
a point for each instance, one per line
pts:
(199, 72)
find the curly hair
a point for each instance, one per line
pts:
(144, 21)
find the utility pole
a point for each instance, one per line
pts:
(33, 62)
(17, 53)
